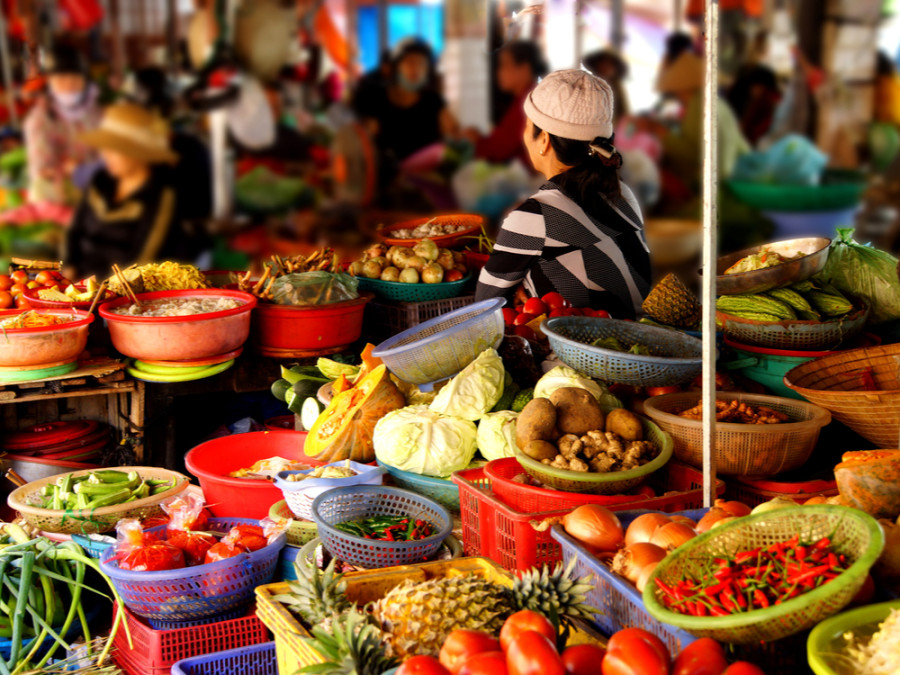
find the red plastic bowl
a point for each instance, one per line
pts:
(24, 347)
(228, 497)
(31, 294)
(179, 338)
(290, 328)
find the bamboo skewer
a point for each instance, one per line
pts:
(128, 290)
(100, 293)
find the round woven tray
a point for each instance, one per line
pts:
(92, 521)
(837, 382)
(853, 533)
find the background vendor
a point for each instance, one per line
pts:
(581, 234)
(129, 213)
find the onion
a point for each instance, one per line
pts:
(736, 509)
(644, 576)
(594, 526)
(774, 505)
(723, 521)
(631, 560)
(671, 536)
(684, 520)
(818, 499)
(642, 528)
(714, 515)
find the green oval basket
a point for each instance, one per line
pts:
(299, 532)
(396, 290)
(853, 533)
(826, 645)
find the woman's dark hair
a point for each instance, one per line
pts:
(884, 65)
(592, 175)
(676, 45)
(526, 51)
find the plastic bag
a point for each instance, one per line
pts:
(864, 271)
(138, 551)
(263, 191)
(186, 513)
(793, 160)
(314, 288)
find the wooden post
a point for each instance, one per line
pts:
(710, 248)
(617, 23)
(9, 87)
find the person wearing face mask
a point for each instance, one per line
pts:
(58, 163)
(581, 234)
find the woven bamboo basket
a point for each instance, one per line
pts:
(836, 382)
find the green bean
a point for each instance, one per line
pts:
(22, 603)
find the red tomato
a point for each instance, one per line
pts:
(154, 521)
(582, 659)
(660, 391)
(576, 311)
(526, 332)
(461, 645)
(22, 302)
(743, 668)
(19, 277)
(531, 653)
(509, 315)
(6, 300)
(422, 665)
(634, 651)
(45, 278)
(522, 319)
(194, 544)
(485, 663)
(563, 311)
(17, 289)
(223, 550)
(601, 314)
(554, 300)
(525, 620)
(703, 657)
(5, 282)
(535, 306)
(250, 537)
(152, 556)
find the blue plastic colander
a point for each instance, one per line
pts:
(676, 357)
(250, 660)
(441, 347)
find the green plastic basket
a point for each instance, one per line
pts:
(618, 482)
(396, 290)
(826, 646)
(799, 198)
(298, 532)
(853, 533)
(442, 490)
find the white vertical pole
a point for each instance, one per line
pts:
(218, 124)
(710, 249)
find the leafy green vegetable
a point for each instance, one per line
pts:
(497, 435)
(475, 390)
(420, 440)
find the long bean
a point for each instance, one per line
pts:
(19, 615)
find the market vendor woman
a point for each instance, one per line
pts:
(581, 234)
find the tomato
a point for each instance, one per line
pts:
(19, 277)
(522, 621)
(583, 659)
(185, 515)
(422, 665)
(485, 663)
(524, 318)
(461, 645)
(646, 491)
(576, 311)
(743, 668)
(534, 306)
(554, 300)
(5, 282)
(45, 278)
(526, 332)
(154, 521)
(531, 653)
(152, 556)
(194, 544)
(223, 550)
(17, 289)
(601, 314)
(634, 651)
(6, 300)
(661, 391)
(703, 657)
(509, 315)
(250, 537)
(564, 311)
(22, 302)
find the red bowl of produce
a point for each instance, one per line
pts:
(179, 338)
(31, 294)
(226, 497)
(35, 345)
(469, 224)
(319, 328)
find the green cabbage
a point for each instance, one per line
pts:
(563, 376)
(497, 435)
(475, 390)
(419, 440)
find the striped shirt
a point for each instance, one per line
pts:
(598, 260)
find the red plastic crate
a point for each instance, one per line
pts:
(679, 485)
(495, 530)
(156, 651)
(753, 492)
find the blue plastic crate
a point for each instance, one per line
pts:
(92, 547)
(286, 571)
(253, 660)
(620, 603)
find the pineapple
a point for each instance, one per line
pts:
(671, 303)
(317, 595)
(350, 646)
(417, 617)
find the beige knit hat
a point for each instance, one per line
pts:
(572, 104)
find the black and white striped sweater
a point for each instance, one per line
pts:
(597, 260)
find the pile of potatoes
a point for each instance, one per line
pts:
(569, 431)
(424, 262)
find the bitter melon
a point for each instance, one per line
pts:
(793, 299)
(829, 304)
(756, 316)
(522, 399)
(755, 303)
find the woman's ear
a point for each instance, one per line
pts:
(543, 143)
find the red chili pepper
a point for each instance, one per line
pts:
(741, 600)
(665, 588)
(744, 556)
(726, 602)
(808, 574)
(760, 599)
(715, 589)
(717, 611)
(724, 574)
(823, 543)
(388, 535)
(831, 560)
(800, 552)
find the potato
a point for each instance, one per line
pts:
(626, 424)
(577, 411)
(540, 450)
(536, 422)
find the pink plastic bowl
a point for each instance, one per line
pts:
(23, 347)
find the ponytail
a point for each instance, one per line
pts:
(594, 169)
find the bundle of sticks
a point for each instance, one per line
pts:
(323, 260)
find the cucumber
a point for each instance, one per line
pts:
(310, 411)
(298, 373)
(280, 388)
(510, 391)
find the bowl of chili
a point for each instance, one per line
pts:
(42, 337)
